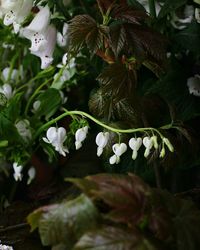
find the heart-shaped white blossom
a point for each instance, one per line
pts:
(56, 137)
(80, 136)
(17, 171)
(193, 84)
(148, 143)
(119, 148)
(135, 144)
(101, 141)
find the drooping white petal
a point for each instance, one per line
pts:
(102, 139)
(135, 143)
(80, 136)
(6, 89)
(148, 143)
(114, 159)
(51, 134)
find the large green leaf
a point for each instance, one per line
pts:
(113, 238)
(66, 222)
(50, 102)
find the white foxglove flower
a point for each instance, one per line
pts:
(46, 53)
(16, 12)
(17, 171)
(62, 38)
(193, 84)
(135, 144)
(6, 89)
(148, 143)
(23, 128)
(80, 136)
(56, 137)
(101, 141)
(31, 175)
(118, 149)
(197, 14)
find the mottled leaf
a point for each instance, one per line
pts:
(113, 238)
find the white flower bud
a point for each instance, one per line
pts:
(80, 136)
(168, 144)
(101, 141)
(31, 175)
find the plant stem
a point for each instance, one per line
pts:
(81, 113)
(152, 8)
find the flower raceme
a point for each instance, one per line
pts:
(56, 137)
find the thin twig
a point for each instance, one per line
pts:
(14, 227)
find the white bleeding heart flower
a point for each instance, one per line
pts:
(36, 106)
(46, 53)
(17, 171)
(101, 141)
(6, 89)
(119, 148)
(23, 128)
(148, 143)
(135, 144)
(31, 175)
(56, 137)
(193, 84)
(62, 38)
(80, 136)
(16, 12)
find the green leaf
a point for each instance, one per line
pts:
(170, 6)
(113, 238)
(66, 222)
(50, 102)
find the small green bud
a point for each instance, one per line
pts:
(168, 144)
(155, 141)
(162, 152)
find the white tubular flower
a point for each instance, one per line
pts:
(148, 143)
(6, 89)
(17, 171)
(62, 38)
(118, 149)
(193, 84)
(135, 144)
(23, 128)
(197, 14)
(46, 54)
(31, 175)
(16, 12)
(80, 136)
(56, 137)
(101, 141)
(37, 29)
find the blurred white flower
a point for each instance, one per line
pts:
(193, 84)
(56, 137)
(101, 141)
(197, 14)
(7, 75)
(23, 128)
(148, 143)
(6, 89)
(15, 12)
(36, 106)
(62, 38)
(181, 23)
(145, 4)
(31, 175)
(5, 247)
(118, 149)
(17, 171)
(135, 144)
(80, 136)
